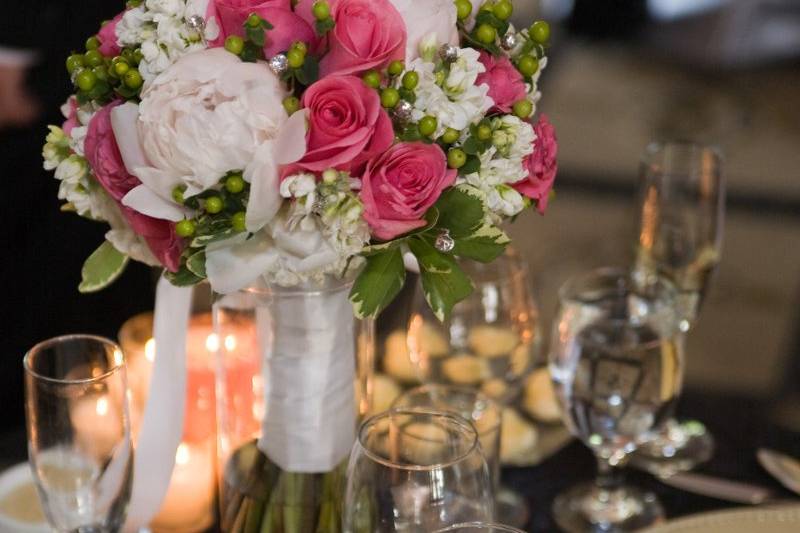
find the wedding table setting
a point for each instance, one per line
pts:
(345, 338)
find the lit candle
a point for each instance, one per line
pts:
(189, 503)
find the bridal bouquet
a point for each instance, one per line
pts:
(285, 140)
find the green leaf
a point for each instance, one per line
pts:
(472, 165)
(324, 26)
(204, 240)
(460, 211)
(485, 245)
(183, 277)
(255, 35)
(309, 72)
(444, 284)
(407, 95)
(102, 267)
(378, 284)
(196, 264)
(410, 134)
(375, 249)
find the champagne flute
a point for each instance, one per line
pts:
(679, 237)
(416, 470)
(79, 441)
(616, 356)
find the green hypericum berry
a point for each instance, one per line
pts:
(238, 221)
(185, 228)
(254, 21)
(322, 10)
(463, 8)
(396, 67)
(177, 194)
(296, 58)
(528, 65)
(503, 10)
(214, 205)
(439, 77)
(93, 58)
(234, 184)
(137, 56)
(92, 43)
(120, 68)
(86, 80)
(74, 62)
(484, 132)
(234, 44)
(486, 34)
(427, 126)
(523, 108)
(132, 79)
(410, 80)
(101, 72)
(372, 78)
(390, 97)
(291, 104)
(301, 46)
(540, 32)
(450, 136)
(456, 158)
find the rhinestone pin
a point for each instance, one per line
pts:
(448, 53)
(279, 64)
(196, 23)
(403, 110)
(444, 242)
(509, 41)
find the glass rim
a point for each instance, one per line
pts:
(453, 417)
(480, 525)
(40, 346)
(479, 395)
(262, 288)
(660, 145)
(519, 270)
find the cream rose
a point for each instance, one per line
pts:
(428, 22)
(207, 114)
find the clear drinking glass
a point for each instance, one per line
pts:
(616, 360)
(479, 527)
(79, 441)
(416, 470)
(681, 213)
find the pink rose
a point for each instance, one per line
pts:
(347, 124)
(108, 37)
(288, 26)
(542, 165)
(70, 111)
(368, 34)
(399, 186)
(105, 159)
(506, 84)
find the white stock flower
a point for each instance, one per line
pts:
(126, 241)
(463, 73)
(512, 137)
(209, 113)
(56, 148)
(135, 27)
(504, 200)
(172, 8)
(429, 23)
(78, 188)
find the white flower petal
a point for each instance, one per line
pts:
(290, 146)
(146, 202)
(265, 198)
(124, 124)
(234, 264)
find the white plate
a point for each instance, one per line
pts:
(784, 519)
(11, 480)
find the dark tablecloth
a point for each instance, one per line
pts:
(739, 425)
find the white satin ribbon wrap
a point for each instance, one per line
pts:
(162, 424)
(309, 373)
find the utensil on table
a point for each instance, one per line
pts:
(722, 489)
(782, 467)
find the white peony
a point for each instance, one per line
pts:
(206, 115)
(427, 21)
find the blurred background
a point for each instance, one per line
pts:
(622, 73)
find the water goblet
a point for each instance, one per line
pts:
(416, 470)
(616, 358)
(680, 223)
(79, 441)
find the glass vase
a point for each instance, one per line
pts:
(294, 377)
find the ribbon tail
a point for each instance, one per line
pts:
(162, 423)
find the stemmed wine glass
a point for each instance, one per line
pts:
(681, 211)
(479, 527)
(616, 359)
(416, 470)
(79, 441)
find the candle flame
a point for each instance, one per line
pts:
(212, 343)
(230, 343)
(102, 407)
(150, 350)
(182, 455)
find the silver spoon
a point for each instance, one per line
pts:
(784, 468)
